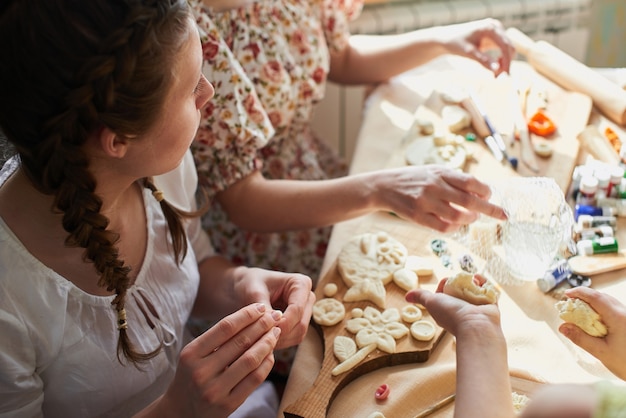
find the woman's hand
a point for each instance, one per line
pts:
(289, 292)
(475, 39)
(609, 349)
(434, 196)
(219, 369)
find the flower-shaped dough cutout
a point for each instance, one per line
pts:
(380, 328)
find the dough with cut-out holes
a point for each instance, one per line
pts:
(411, 313)
(371, 256)
(462, 286)
(328, 311)
(581, 314)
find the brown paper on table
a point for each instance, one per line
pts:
(570, 73)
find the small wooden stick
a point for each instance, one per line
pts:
(436, 407)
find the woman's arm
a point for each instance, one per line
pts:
(376, 58)
(432, 196)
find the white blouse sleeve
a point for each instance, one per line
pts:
(179, 189)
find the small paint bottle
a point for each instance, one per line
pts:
(622, 156)
(587, 190)
(617, 174)
(618, 205)
(591, 233)
(593, 211)
(604, 182)
(580, 171)
(594, 246)
(555, 276)
(588, 221)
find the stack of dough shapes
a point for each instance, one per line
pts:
(442, 148)
(366, 264)
(462, 286)
(578, 312)
(456, 118)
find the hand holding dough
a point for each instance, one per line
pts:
(582, 315)
(464, 286)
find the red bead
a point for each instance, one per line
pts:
(382, 392)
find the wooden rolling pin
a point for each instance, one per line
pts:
(572, 74)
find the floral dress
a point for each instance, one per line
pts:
(268, 61)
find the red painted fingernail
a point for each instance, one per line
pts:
(382, 392)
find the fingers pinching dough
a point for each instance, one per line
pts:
(462, 286)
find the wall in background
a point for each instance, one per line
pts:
(607, 40)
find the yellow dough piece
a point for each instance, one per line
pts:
(462, 286)
(578, 312)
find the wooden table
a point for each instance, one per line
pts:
(537, 352)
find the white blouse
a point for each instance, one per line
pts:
(58, 353)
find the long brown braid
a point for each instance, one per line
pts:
(70, 67)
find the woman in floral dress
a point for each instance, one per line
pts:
(269, 61)
(275, 187)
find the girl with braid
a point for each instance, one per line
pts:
(102, 257)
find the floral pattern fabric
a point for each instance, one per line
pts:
(268, 61)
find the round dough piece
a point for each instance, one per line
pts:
(423, 330)
(578, 312)
(330, 290)
(455, 118)
(462, 286)
(411, 313)
(371, 256)
(328, 312)
(542, 148)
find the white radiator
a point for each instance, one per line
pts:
(564, 23)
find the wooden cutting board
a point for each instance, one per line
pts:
(569, 110)
(318, 398)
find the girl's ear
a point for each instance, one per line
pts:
(111, 144)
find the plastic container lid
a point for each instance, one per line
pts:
(603, 177)
(617, 173)
(588, 184)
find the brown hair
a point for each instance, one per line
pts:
(69, 68)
